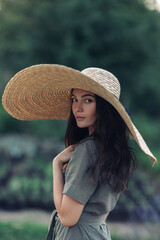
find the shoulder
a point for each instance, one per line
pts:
(86, 149)
(83, 158)
(88, 144)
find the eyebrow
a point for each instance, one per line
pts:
(85, 95)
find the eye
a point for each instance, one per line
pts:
(88, 100)
(74, 100)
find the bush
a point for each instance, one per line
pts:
(26, 231)
(19, 231)
(26, 184)
(26, 180)
(40, 128)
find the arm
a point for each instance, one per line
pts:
(69, 210)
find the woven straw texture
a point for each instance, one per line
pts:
(43, 92)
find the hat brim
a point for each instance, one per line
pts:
(44, 92)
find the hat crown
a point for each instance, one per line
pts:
(104, 78)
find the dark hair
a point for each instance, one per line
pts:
(116, 158)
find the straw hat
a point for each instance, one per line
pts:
(43, 92)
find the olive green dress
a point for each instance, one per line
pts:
(98, 199)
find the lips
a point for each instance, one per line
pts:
(79, 118)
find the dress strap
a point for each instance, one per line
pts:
(50, 234)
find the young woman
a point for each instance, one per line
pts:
(94, 169)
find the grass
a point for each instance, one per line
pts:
(28, 231)
(19, 231)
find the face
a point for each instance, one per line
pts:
(84, 109)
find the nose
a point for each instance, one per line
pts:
(78, 107)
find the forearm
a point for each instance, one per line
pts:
(69, 210)
(58, 184)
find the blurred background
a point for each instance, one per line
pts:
(122, 36)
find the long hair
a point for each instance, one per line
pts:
(116, 158)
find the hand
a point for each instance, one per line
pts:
(65, 155)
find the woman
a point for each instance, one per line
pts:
(99, 160)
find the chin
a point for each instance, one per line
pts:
(82, 126)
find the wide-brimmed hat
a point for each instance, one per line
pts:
(44, 92)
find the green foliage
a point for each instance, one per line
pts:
(115, 237)
(28, 183)
(19, 231)
(140, 201)
(41, 128)
(50, 128)
(150, 129)
(26, 231)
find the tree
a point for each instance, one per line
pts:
(121, 36)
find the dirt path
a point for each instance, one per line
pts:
(122, 229)
(35, 216)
